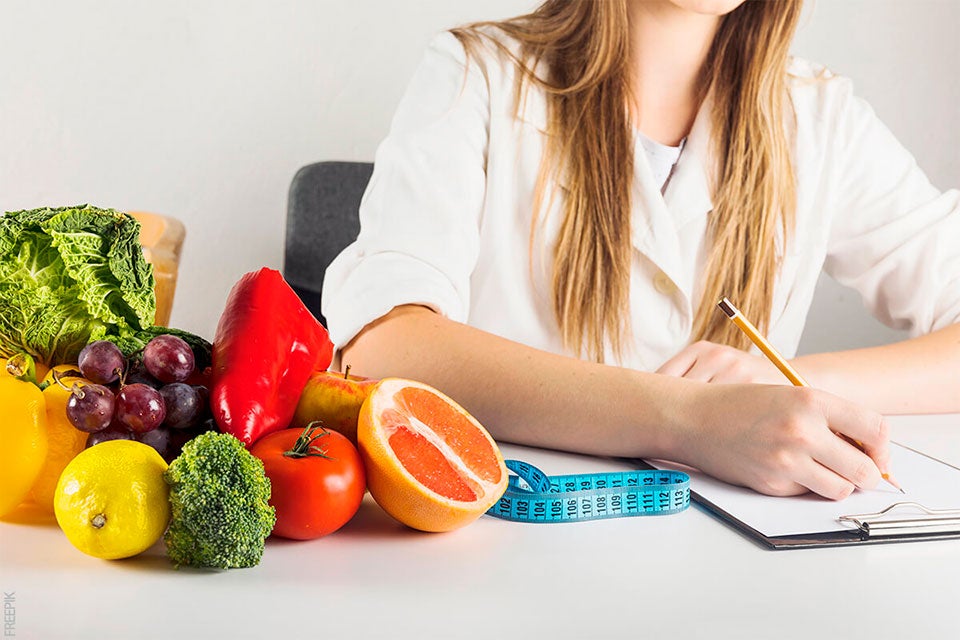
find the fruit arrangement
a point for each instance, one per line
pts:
(138, 433)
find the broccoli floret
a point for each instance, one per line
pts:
(219, 496)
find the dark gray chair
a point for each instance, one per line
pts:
(321, 220)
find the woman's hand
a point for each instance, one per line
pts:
(784, 440)
(710, 362)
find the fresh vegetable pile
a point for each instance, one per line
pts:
(132, 433)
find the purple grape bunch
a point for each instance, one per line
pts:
(146, 398)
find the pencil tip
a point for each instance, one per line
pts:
(893, 483)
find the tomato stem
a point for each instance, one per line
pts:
(304, 446)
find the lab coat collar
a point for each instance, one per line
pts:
(657, 218)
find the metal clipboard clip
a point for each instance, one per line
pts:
(929, 522)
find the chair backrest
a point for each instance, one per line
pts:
(322, 219)
(162, 240)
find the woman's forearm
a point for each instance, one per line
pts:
(921, 375)
(522, 394)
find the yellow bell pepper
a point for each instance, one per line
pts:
(64, 441)
(23, 439)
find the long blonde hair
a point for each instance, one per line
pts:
(585, 47)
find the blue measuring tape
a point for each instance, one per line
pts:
(533, 496)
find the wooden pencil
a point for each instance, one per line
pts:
(779, 361)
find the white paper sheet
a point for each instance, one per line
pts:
(925, 480)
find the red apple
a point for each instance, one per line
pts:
(333, 398)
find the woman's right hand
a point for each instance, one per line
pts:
(784, 441)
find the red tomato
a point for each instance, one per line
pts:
(317, 478)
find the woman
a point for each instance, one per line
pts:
(563, 198)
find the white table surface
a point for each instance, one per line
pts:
(680, 576)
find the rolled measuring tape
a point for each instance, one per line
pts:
(533, 496)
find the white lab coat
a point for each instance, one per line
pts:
(446, 218)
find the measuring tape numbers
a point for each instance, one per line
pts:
(533, 496)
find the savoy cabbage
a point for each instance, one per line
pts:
(69, 275)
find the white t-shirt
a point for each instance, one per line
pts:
(661, 157)
(446, 219)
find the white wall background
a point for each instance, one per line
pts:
(205, 110)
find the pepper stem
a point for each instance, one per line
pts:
(304, 447)
(22, 367)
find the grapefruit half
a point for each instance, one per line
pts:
(429, 463)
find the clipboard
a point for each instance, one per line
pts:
(870, 528)
(897, 519)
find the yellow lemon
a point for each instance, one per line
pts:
(112, 501)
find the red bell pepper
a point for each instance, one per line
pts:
(266, 346)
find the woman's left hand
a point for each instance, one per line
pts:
(710, 362)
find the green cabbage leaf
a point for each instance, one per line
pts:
(70, 275)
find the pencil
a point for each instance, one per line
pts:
(778, 360)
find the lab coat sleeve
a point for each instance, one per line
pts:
(894, 238)
(420, 214)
